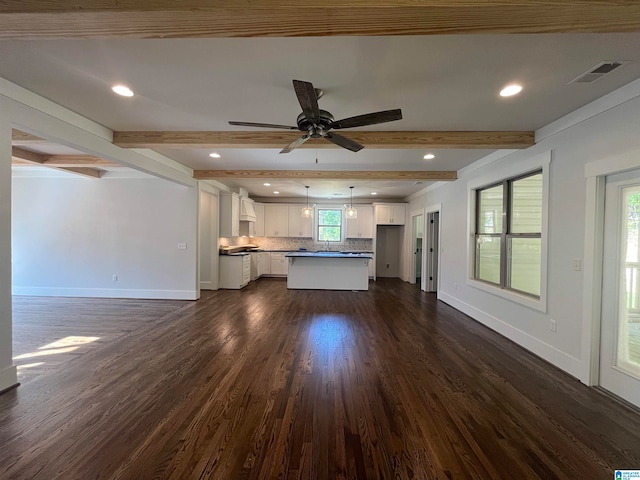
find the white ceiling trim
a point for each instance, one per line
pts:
(607, 102)
(33, 100)
(45, 118)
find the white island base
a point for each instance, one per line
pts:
(328, 272)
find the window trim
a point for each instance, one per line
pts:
(316, 224)
(540, 162)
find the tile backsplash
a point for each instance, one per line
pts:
(286, 243)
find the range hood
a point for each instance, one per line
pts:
(247, 212)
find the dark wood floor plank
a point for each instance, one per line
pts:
(271, 383)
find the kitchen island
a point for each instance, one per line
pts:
(328, 270)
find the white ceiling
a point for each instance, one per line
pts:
(439, 82)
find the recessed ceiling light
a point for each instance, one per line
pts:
(267, 184)
(276, 192)
(510, 90)
(429, 156)
(374, 193)
(122, 90)
(214, 155)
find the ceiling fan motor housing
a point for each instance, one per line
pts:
(315, 129)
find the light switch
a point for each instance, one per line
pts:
(182, 246)
(577, 264)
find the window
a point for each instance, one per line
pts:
(329, 225)
(508, 234)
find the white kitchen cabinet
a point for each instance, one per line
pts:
(362, 225)
(229, 214)
(276, 221)
(256, 265)
(390, 214)
(299, 226)
(259, 226)
(235, 271)
(265, 263)
(279, 264)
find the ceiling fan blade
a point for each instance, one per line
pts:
(263, 125)
(296, 143)
(344, 142)
(368, 119)
(308, 99)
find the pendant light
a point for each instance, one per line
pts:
(307, 212)
(351, 212)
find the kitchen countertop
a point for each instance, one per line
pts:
(329, 254)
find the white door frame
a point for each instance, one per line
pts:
(206, 189)
(596, 173)
(412, 268)
(435, 208)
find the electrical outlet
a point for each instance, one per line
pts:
(577, 264)
(552, 325)
(182, 246)
(114, 278)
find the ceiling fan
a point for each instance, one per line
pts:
(317, 123)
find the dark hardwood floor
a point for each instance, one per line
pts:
(269, 383)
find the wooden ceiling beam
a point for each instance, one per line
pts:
(65, 163)
(20, 138)
(278, 139)
(28, 155)
(79, 161)
(42, 19)
(82, 171)
(59, 161)
(324, 175)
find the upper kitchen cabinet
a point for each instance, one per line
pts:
(276, 220)
(259, 227)
(362, 225)
(390, 213)
(229, 214)
(299, 226)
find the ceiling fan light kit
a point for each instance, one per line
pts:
(317, 123)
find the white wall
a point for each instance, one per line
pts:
(608, 133)
(72, 234)
(8, 372)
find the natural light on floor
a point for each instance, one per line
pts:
(64, 345)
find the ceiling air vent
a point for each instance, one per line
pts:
(597, 72)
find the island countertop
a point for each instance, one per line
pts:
(305, 254)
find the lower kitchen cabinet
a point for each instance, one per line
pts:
(279, 265)
(256, 265)
(235, 271)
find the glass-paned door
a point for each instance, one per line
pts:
(620, 335)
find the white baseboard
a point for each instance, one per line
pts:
(8, 377)
(106, 293)
(563, 361)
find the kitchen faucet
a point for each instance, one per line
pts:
(327, 245)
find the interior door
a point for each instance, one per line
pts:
(433, 235)
(620, 325)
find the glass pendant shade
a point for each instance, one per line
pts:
(307, 210)
(351, 212)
